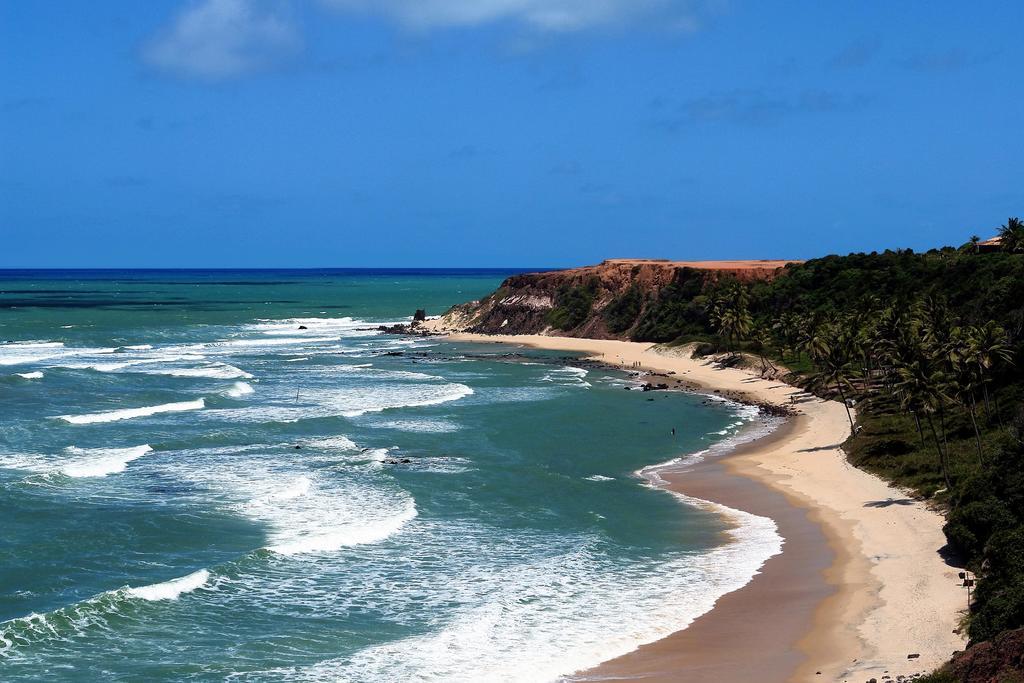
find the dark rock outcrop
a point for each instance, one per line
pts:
(997, 661)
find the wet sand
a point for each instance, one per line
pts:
(726, 645)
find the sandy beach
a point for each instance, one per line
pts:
(860, 590)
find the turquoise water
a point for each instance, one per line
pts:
(452, 512)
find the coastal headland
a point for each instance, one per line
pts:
(524, 303)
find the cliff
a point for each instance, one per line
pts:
(605, 301)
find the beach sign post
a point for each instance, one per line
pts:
(968, 583)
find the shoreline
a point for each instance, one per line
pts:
(725, 644)
(860, 584)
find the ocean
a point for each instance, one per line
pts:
(234, 476)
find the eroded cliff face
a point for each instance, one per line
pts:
(576, 302)
(997, 661)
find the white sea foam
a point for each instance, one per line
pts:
(108, 367)
(567, 376)
(356, 533)
(375, 454)
(332, 442)
(367, 370)
(76, 462)
(31, 462)
(570, 610)
(425, 426)
(517, 394)
(443, 464)
(239, 389)
(599, 477)
(213, 371)
(389, 398)
(145, 366)
(303, 510)
(129, 413)
(747, 427)
(52, 353)
(136, 362)
(30, 375)
(99, 462)
(16, 353)
(276, 341)
(311, 511)
(171, 590)
(346, 401)
(346, 327)
(299, 487)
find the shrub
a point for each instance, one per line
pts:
(622, 313)
(572, 306)
(999, 601)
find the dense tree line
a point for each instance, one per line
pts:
(925, 346)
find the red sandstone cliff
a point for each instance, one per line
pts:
(523, 302)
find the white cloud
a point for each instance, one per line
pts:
(218, 39)
(543, 15)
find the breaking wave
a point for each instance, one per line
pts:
(239, 390)
(214, 371)
(95, 613)
(170, 590)
(130, 413)
(350, 534)
(99, 462)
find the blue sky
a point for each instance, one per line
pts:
(292, 133)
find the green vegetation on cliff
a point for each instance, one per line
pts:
(678, 310)
(622, 312)
(572, 306)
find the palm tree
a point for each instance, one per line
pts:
(835, 352)
(715, 309)
(975, 241)
(1011, 236)
(737, 324)
(786, 331)
(762, 340)
(965, 376)
(989, 347)
(812, 339)
(863, 324)
(934, 322)
(730, 315)
(884, 339)
(920, 388)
